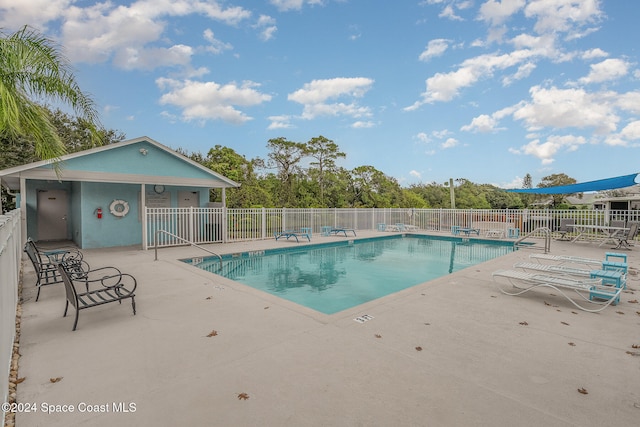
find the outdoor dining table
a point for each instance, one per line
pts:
(610, 233)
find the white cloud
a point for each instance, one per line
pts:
(132, 34)
(609, 69)
(627, 135)
(435, 48)
(483, 124)
(515, 183)
(362, 124)
(280, 122)
(497, 12)
(629, 101)
(37, 13)
(551, 18)
(594, 53)
(204, 101)
(150, 58)
(523, 72)
(423, 137)
(314, 96)
(449, 13)
(446, 86)
(449, 143)
(267, 27)
(415, 174)
(546, 151)
(562, 15)
(564, 108)
(286, 5)
(319, 91)
(441, 134)
(215, 46)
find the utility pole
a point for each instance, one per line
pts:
(453, 196)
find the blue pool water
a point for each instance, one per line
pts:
(333, 277)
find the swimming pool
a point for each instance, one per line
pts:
(333, 277)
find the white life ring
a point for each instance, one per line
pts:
(119, 208)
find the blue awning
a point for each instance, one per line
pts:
(600, 185)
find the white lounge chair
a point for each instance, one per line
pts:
(607, 264)
(589, 290)
(609, 277)
(567, 259)
(552, 268)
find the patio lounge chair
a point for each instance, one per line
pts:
(624, 238)
(343, 230)
(469, 230)
(606, 264)
(405, 227)
(100, 289)
(45, 263)
(589, 290)
(612, 277)
(292, 233)
(566, 259)
(499, 234)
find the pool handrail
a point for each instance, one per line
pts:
(155, 245)
(547, 238)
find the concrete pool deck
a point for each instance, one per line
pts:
(450, 352)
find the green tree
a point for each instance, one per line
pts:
(470, 196)
(325, 152)
(500, 199)
(434, 194)
(555, 180)
(335, 184)
(371, 188)
(227, 162)
(33, 67)
(527, 182)
(285, 156)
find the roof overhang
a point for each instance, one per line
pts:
(43, 170)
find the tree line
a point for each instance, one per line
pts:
(307, 175)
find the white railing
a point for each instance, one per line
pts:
(212, 225)
(10, 262)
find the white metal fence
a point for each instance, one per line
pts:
(211, 225)
(10, 262)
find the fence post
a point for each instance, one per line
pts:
(224, 227)
(190, 225)
(264, 223)
(283, 219)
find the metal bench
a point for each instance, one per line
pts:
(45, 263)
(100, 288)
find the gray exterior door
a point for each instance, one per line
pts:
(187, 199)
(53, 210)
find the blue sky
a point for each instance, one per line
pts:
(423, 90)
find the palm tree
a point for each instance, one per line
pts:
(33, 68)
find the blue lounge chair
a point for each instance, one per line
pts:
(291, 233)
(469, 231)
(343, 230)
